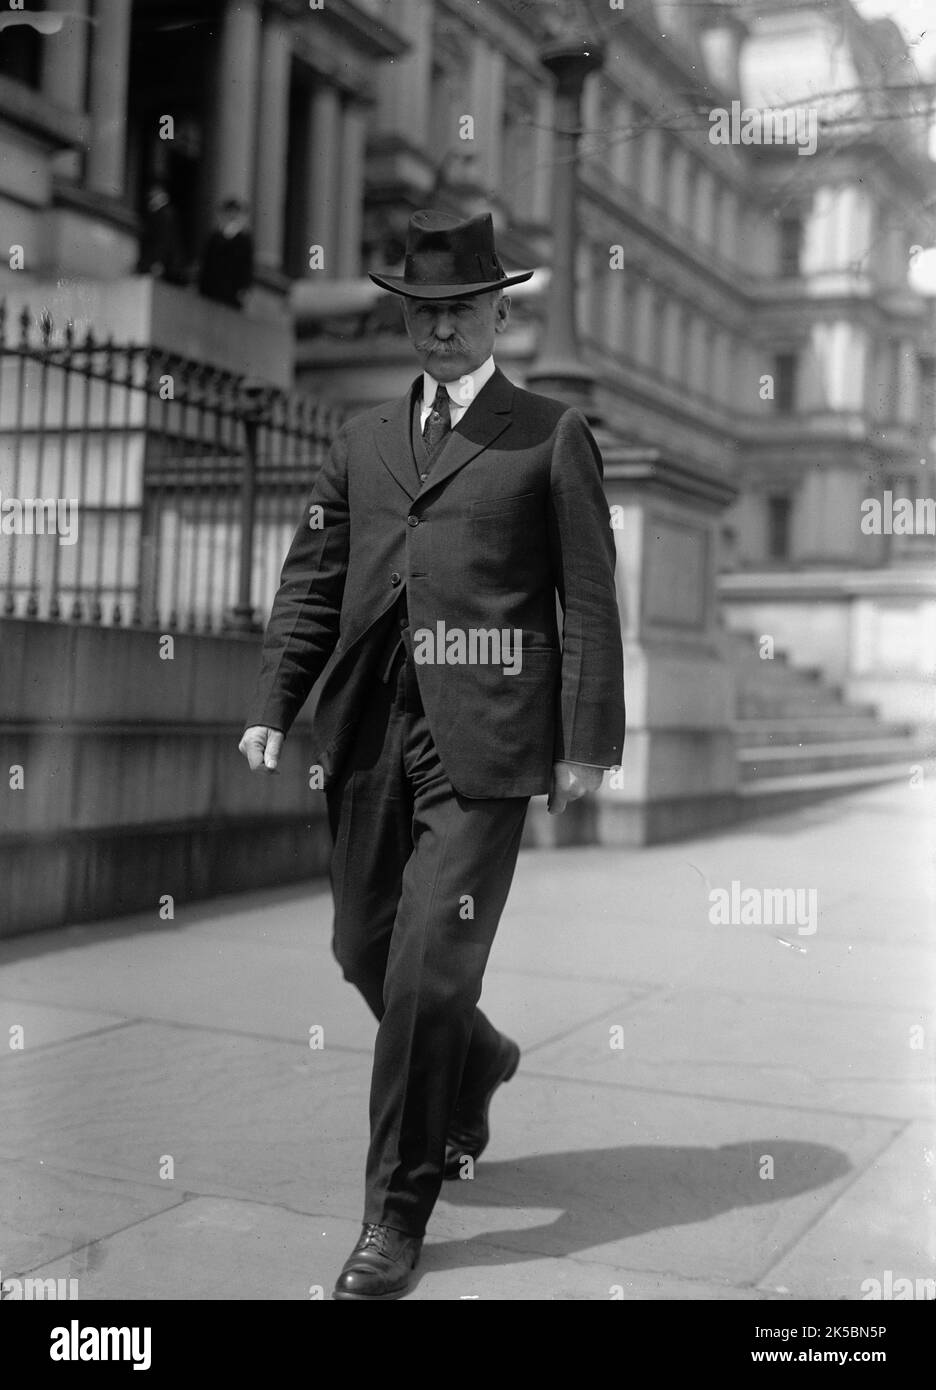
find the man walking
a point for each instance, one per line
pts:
(424, 605)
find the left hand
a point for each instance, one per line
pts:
(569, 782)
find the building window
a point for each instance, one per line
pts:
(785, 383)
(700, 357)
(656, 307)
(599, 294)
(451, 66)
(518, 143)
(928, 396)
(779, 510)
(666, 171)
(690, 196)
(624, 329)
(637, 140)
(727, 224)
(704, 215)
(791, 245)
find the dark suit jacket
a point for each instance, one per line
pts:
(227, 267)
(512, 513)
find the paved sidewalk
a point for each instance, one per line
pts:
(702, 1111)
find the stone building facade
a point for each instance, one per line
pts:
(744, 307)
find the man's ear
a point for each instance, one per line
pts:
(503, 313)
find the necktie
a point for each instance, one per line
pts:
(438, 422)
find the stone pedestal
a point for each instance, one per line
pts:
(679, 771)
(138, 309)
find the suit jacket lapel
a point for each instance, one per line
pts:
(485, 419)
(394, 444)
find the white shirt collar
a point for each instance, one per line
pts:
(460, 392)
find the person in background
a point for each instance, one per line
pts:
(161, 241)
(227, 261)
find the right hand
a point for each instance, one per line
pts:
(261, 747)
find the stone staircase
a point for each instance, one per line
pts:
(799, 741)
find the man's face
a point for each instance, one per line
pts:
(453, 336)
(231, 220)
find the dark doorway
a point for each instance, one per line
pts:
(171, 61)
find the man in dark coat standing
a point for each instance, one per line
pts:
(227, 265)
(161, 241)
(420, 594)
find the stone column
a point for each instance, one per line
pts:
(494, 117)
(235, 106)
(676, 197)
(65, 56)
(908, 382)
(110, 61)
(645, 310)
(698, 357)
(704, 214)
(558, 369)
(542, 155)
(679, 771)
(323, 182)
(351, 189)
(64, 72)
(272, 132)
(728, 224)
(593, 140)
(404, 83)
(622, 146)
(650, 164)
(486, 106)
(674, 328)
(618, 330)
(721, 384)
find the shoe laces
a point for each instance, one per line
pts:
(374, 1237)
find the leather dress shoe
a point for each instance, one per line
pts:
(469, 1131)
(380, 1265)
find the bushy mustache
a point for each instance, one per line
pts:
(451, 346)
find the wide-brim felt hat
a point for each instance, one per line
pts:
(449, 257)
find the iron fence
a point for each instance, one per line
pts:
(139, 487)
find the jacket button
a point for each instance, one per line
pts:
(412, 521)
(394, 579)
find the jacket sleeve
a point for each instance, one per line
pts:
(591, 714)
(304, 622)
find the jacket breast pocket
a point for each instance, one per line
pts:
(516, 503)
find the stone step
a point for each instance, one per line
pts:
(799, 741)
(756, 764)
(832, 728)
(789, 682)
(785, 705)
(770, 795)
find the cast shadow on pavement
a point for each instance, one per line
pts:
(608, 1195)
